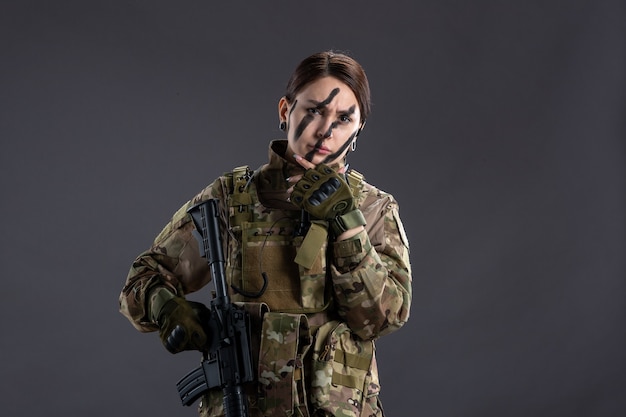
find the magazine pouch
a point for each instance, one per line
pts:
(344, 374)
(285, 339)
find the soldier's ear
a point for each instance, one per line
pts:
(283, 108)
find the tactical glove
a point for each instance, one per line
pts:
(326, 196)
(180, 322)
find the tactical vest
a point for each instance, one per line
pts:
(262, 245)
(303, 367)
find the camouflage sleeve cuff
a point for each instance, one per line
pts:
(349, 253)
(157, 299)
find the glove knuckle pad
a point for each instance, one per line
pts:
(315, 200)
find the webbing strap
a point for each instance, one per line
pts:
(345, 380)
(347, 221)
(355, 179)
(241, 175)
(352, 360)
(240, 200)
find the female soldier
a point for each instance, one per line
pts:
(316, 254)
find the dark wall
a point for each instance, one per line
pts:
(498, 126)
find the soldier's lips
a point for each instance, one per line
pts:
(321, 150)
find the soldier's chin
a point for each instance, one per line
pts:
(319, 159)
(334, 161)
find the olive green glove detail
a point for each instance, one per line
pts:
(180, 321)
(347, 221)
(323, 193)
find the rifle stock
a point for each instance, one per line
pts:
(228, 362)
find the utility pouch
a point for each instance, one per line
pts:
(267, 252)
(344, 373)
(285, 339)
(314, 289)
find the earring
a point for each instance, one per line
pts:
(282, 126)
(353, 145)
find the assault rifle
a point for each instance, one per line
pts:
(228, 362)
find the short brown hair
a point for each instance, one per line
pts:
(338, 65)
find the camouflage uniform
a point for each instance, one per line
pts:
(316, 323)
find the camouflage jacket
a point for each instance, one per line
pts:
(316, 344)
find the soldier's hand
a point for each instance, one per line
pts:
(323, 193)
(181, 325)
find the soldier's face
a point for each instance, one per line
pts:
(322, 121)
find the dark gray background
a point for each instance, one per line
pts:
(499, 127)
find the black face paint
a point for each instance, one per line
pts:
(289, 115)
(309, 156)
(336, 155)
(333, 125)
(306, 120)
(330, 98)
(330, 130)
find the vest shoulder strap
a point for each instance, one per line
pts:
(240, 199)
(355, 181)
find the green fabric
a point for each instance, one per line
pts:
(285, 339)
(158, 298)
(323, 193)
(348, 247)
(347, 221)
(180, 321)
(313, 242)
(353, 360)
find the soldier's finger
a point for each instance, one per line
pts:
(294, 179)
(303, 162)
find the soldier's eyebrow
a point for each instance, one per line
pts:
(348, 112)
(321, 104)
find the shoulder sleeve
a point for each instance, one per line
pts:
(172, 261)
(372, 272)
